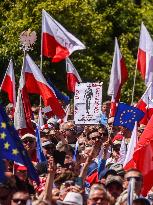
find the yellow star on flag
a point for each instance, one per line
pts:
(6, 145)
(3, 125)
(3, 135)
(15, 151)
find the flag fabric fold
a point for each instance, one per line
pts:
(146, 104)
(127, 115)
(12, 147)
(40, 154)
(145, 55)
(37, 84)
(128, 162)
(23, 112)
(8, 84)
(59, 95)
(119, 74)
(143, 157)
(57, 42)
(72, 76)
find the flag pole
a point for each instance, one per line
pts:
(133, 89)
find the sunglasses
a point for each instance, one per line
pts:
(22, 201)
(137, 179)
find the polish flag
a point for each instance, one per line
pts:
(23, 112)
(143, 157)
(113, 107)
(129, 163)
(72, 76)
(145, 55)
(8, 84)
(36, 83)
(57, 42)
(146, 104)
(119, 74)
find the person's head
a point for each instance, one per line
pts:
(99, 196)
(69, 131)
(20, 197)
(71, 198)
(21, 172)
(114, 186)
(136, 174)
(48, 147)
(141, 201)
(5, 192)
(29, 142)
(94, 137)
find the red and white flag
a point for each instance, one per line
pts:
(73, 76)
(145, 55)
(146, 104)
(143, 157)
(57, 42)
(129, 163)
(8, 84)
(119, 74)
(23, 112)
(36, 83)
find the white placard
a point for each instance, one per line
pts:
(87, 103)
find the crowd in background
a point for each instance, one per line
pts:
(82, 166)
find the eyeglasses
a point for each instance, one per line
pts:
(22, 201)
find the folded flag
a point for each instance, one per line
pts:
(12, 147)
(127, 115)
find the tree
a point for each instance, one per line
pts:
(95, 23)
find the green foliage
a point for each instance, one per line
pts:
(95, 23)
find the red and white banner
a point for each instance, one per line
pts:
(73, 76)
(57, 42)
(36, 83)
(145, 55)
(119, 74)
(8, 84)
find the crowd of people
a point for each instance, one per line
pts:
(82, 166)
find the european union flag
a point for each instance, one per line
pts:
(2, 167)
(12, 147)
(127, 115)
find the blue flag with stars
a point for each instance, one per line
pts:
(12, 147)
(127, 115)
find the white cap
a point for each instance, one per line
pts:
(72, 198)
